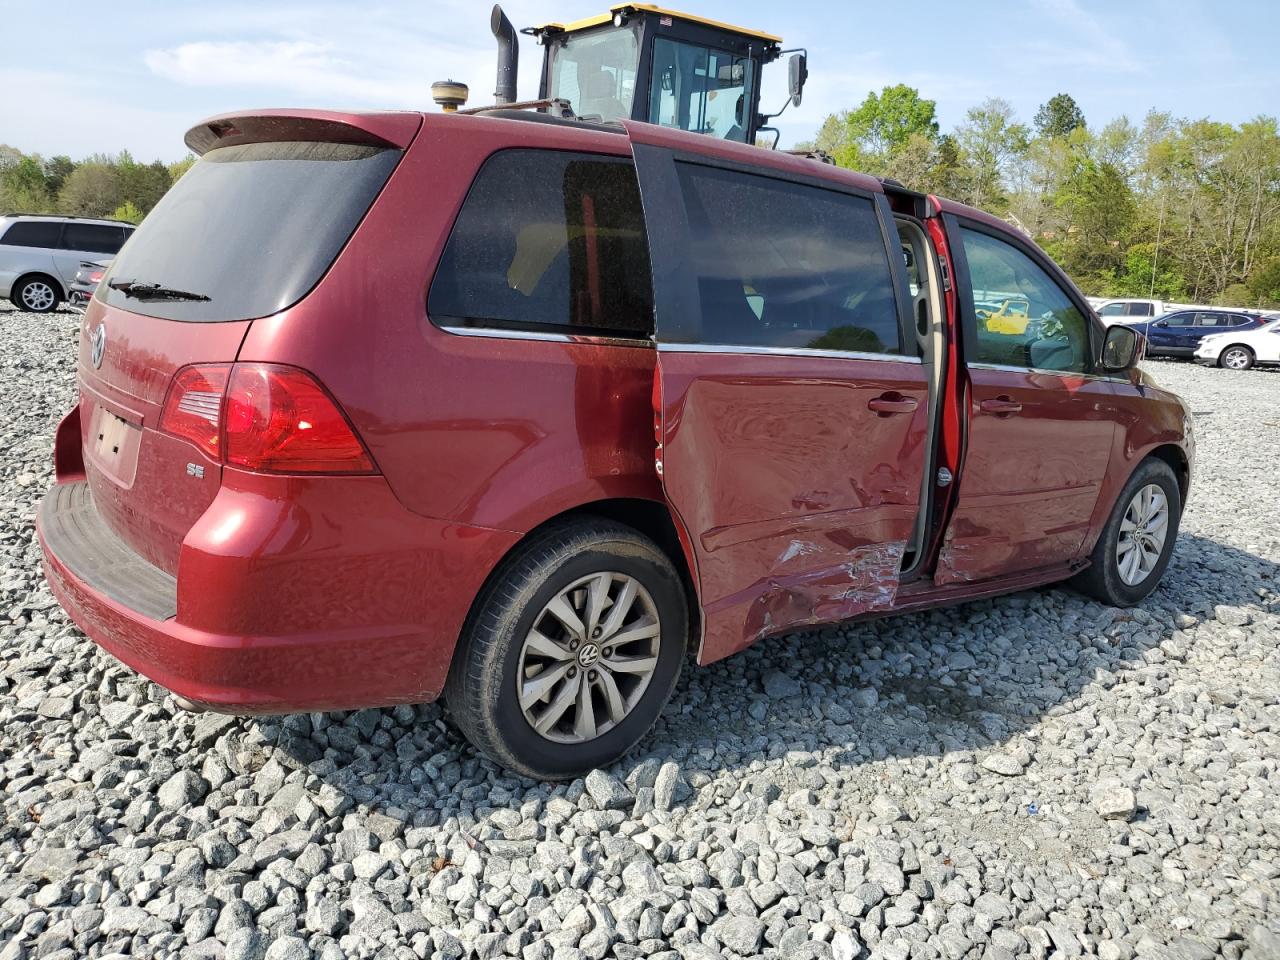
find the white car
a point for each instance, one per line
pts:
(39, 255)
(1241, 350)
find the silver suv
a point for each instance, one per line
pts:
(39, 255)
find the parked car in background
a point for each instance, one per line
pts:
(1130, 310)
(81, 288)
(619, 393)
(40, 255)
(1240, 349)
(1179, 334)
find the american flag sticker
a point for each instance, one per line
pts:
(664, 21)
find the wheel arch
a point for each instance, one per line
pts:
(1234, 346)
(652, 518)
(42, 275)
(1176, 458)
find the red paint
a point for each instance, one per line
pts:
(793, 481)
(799, 499)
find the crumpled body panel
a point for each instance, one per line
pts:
(865, 581)
(798, 499)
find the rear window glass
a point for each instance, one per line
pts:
(783, 265)
(548, 241)
(32, 233)
(252, 227)
(92, 238)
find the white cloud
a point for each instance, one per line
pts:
(1092, 45)
(65, 116)
(295, 66)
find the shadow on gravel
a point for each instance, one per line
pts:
(958, 679)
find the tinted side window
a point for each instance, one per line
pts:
(1024, 319)
(33, 233)
(93, 238)
(1112, 310)
(784, 265)
(548, 241)
(1141, 309)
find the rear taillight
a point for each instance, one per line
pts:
(193, 408)
(264, 417)
(279, 420)
(96, 276)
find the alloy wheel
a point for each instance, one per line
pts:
(38, 295)
(1236, 359)
(588, 658)
(1142, 534)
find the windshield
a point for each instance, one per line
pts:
(247, 231)
(596, 71)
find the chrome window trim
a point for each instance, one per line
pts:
(1116, 378)
(744, 349)
(502, 333)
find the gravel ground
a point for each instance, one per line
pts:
(1036, 776)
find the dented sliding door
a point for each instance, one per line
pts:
(792, 407)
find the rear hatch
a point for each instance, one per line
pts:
(247, 232)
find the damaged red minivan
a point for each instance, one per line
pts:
(381, 407)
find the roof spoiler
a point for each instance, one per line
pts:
(326, 126)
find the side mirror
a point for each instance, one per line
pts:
(798, 70)
(1121, 349)
(1161, 323)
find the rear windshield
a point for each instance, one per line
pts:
(252, 227)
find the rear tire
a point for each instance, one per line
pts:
(518, 664)
(38, 294)
(1236, 357)
(1125, 565)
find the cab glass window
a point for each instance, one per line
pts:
(780, 264)
(33, 233)
(1112, 310)
(548, 241)
(596, 72)
(1024, 319)
(700, 89)
(1142, 309)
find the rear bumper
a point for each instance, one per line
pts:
(363, 610)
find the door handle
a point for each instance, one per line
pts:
(891, 403)
(1001, 406)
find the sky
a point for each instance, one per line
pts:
(136, 74)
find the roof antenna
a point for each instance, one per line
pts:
(508, 55)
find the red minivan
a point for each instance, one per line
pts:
(381, 407)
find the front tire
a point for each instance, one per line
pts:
(571, 651)
(36, 295)
(1134, 549)
(1236, 357)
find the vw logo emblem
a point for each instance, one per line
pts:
(98, 345)
(589, 654)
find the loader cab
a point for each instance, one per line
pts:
(642, 62)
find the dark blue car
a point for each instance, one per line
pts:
(1178, 334)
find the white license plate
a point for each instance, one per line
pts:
(110, 440)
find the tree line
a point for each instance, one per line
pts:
(103, 185)
(1183, 210)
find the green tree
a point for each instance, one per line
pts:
(93, 189)
(56, 171)
(1058, 116)
(127, 211)
(176, 170)
(1264, 282)
(23, 187)
(886, 121)
(991, 140)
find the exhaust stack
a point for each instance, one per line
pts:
(508, 55)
